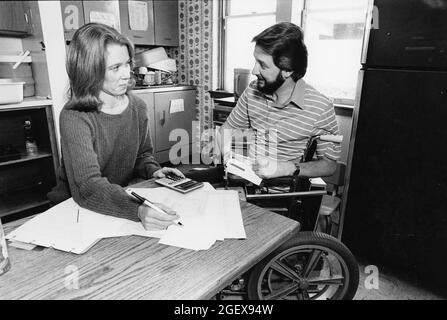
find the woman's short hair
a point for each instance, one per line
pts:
(284, 42)
(86, 66)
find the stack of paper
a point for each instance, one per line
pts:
(207, 215)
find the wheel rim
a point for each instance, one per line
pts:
(302, 273)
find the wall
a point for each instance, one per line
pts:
(195, 52)
(53, 31)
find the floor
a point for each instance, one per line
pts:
(390, 287)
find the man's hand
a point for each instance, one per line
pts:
(161, 173)
(267, 168)
(153, 220)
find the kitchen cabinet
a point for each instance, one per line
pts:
(15, 18)
(170, 110)
(106, 12)
(148, 98)
(77, 13)
(137, 21)
(145, 22)
(166, 23)
(72, 17)
(26, 178)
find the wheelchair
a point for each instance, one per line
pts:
(314, 263)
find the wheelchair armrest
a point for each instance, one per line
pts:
(264, 196)
(279, 181)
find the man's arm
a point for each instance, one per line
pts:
(267, 168)
(224, 141)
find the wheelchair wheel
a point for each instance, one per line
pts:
(308, 267)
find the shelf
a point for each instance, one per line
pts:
(25, 157)
(23, 200)
(28, 102)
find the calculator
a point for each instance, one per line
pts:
(179, 184)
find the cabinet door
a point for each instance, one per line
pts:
(106, 12)
(14, 18)
(72, 17)
(148, 98)
(137, 21)
(166, 23)
(170, 115)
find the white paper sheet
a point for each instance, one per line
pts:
(208, 215)
(106, 18)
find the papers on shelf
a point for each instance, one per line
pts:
(207, 215)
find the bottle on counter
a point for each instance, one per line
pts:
(30, 141)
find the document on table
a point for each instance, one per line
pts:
(207, 215)
(63, 228)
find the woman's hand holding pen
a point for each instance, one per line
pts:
(151, 219)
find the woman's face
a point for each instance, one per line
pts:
(117, 74)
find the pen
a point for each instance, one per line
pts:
(143, 200)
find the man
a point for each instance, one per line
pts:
(282, 110)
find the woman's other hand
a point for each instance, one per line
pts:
(161, 173)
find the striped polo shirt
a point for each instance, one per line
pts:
(281, 132)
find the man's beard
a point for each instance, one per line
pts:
(269, 87)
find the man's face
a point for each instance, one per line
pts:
(117, 74)
(268, 74)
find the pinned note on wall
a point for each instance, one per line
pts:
(106, 18)
(138, 16)
(177, 105)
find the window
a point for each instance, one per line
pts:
(242, 21)
(334, 35)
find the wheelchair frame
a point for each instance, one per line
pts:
(311, 265)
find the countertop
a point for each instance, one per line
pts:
(164, 88)
(28, 102)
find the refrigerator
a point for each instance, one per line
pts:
(394, 206)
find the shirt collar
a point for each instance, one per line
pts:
(297, 97)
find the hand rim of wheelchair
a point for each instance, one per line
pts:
(344, 286)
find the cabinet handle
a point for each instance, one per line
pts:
(167, 39)
(163, 117)
(138, 37)
(26, 17)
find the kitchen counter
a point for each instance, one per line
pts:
(164, 88)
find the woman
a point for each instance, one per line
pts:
(105, 139)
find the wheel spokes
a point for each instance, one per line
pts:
(285, 270)
(304, 295)
(328, 281)
(312, 262)
(284, 292)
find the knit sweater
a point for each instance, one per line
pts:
(101, 153)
